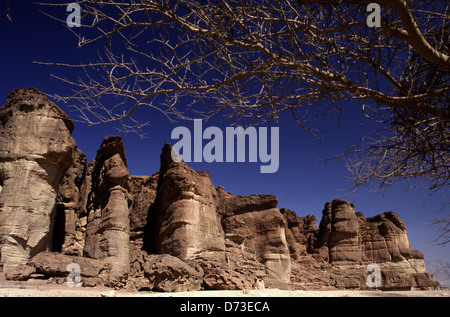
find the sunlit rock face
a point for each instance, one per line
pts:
(351, 242)
(265, 234)
(187, 223)
(69, 232)
(174, 230)
(108, 224)
(255, 223)
(339, 230)
(35, 151)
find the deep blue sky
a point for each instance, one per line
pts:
(302, 183)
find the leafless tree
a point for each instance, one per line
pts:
(8, 11)
(443, 228)
(253, 60)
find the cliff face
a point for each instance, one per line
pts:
(173, 230)
(35, 152)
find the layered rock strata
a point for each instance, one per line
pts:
(187, 224)
(108, 208)
(174, 230)
(36, 150)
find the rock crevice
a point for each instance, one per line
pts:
(174, 230)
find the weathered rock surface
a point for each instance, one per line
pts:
(169, 274)
(35, 152)
(230, 279)
(21, 273)
(108, 224)
(174, 230)
(441, 270)
(263, 232)
(301, 233)
(339, 232)
(71, 216)
(350, 241)
(144, 194)
(187, 224)
(55, 264)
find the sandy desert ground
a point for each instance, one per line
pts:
(10, 289)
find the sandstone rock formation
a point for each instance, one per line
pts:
(108, 225)
(187, 224)
(254, 223)
(174, 230)
(35, 151)
(167, 273)
(71, 215)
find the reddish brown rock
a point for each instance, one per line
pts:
(230, 205)
(187, 224)
(173, 231)
(167, 273)
(302, 233)
(339, 230)
(108, 227)
(21, 273)
(229, 279)
(248, 222)
(92, 271)
(353, 241)
(385, 239)
(35, 152)
(69, 231)
(144, 194)
(264, 233)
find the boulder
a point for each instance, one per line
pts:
(167, 273)
(92, 271)
(229, 279)
(301, 233)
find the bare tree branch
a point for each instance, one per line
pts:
(232, 56)
(250, 61)
(8, 10)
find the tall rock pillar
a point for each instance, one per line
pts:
(35, 151)
(108, 227)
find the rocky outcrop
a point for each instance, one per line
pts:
(71, 217)
(301, 233)
(108, 225)
(338, 231)
(174, 230)
(187, 224)
(144, 194)
(167, 273)
(254, 223)
(351, 242)
(36, 148)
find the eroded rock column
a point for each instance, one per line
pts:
(187, 223)
(108, 228)
(35, 152)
